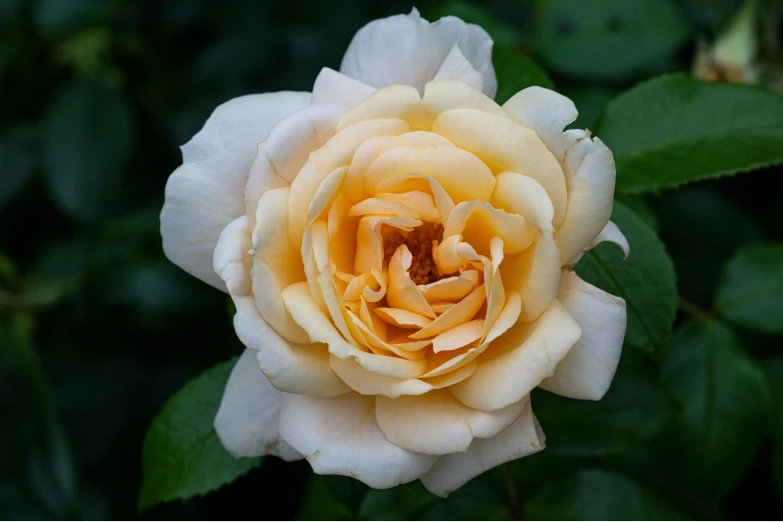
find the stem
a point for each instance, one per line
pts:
(515, 507)
(695, 310)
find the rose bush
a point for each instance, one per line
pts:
(399, 250)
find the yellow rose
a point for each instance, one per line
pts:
(399, 250)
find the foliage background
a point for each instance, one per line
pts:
(98, 329)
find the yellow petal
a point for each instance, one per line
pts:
(496, 293)
(460, 313)
(520, 194)
(463, 175)
(534, 274)
(453, 377)
(382, 206)
(450, 288)
(368, 383)
(402, 291)
(506, 146)
(417, 183)
(440, 308)
(369, 243)
(402, 318)
(477, 222)
(309, 316)
(420, 202)
(443, 95)
(394, 101)
(335, 153)
(458, 336)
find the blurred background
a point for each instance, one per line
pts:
(98, 329)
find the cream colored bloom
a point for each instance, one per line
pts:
(398, 247)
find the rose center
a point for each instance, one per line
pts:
(420, 241)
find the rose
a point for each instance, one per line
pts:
(399, 250)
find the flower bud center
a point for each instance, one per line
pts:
(420, 242)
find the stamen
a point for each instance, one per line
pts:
(420, 242)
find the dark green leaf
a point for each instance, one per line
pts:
(632, 412)
(724, 400)
(400, 503)
(774, 370)
(674, 129)
(479, 499)
(320, 502)
(590, 101)
(703, 228)
(646, 280)
(594, 494)
(515, 72)
(777, 466)
(16, 166)
(87, 140)
(608, 39)
(183, 456)
(751, 290)
(643, 209)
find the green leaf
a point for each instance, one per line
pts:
(751, 290)
(321, 503)
(473, 13)
(777, 469)
(703, 227)
(515, 72)
(594, 494)
(773, 367)
(674, 129)
(479, 499)
(633, 412)
(643, 209)
(724, 401)
(403, 502)
(16, 166)
(182, 455)
(590, 101)
(608, 39)
(646, 280)
(87, 140)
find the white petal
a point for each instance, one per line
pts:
(290, 367)
(231, 260)
(340, 436)
(249, 415)
(207, 192)
(590, 176)
(437, 424)
(612, 234)
(587, 371)
(521, 439)
(519, 360)
(547, 113)
(406, 49)
(334, 87)
(457, 67)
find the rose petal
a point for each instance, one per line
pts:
(450, 288)
(591, 176)
(368, 383)
(587, 371)
(520, 194)
(281, 156)
(276, 264)
(547, 113)
(462, 175)
(524, 437)
(309, 316)
(335, 153)
(457, 67)
(407, 49)
(333, 87)
(460, 313)
(249, 414)
(402, 291)
(420, 202)
(534, 273)
(416, 182)
(341, 437)
(402, 318)
(438, 424)
(506, 146)
(369, 243)
(519, 360)
(459, 336)
(612, 234)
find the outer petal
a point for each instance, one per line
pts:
(406, 49)
(457, 67)
(521, 439)
(612, 234)
(207, 192)
(547, 113)
(587, 371)
(341, 437)
(519, 360)
(438, 424)
(249, 415)
(590, 175)
(333, 87)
